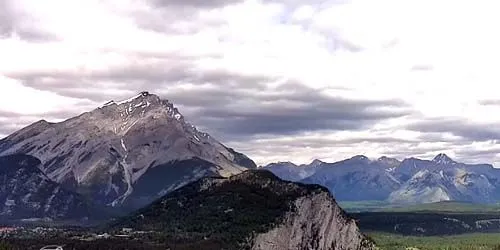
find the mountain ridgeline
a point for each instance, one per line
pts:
(409, 181)
(251, 210)
(125, 154)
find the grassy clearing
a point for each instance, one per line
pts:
(363, 206)
(477, 241)
(438, 207)
(447, 207)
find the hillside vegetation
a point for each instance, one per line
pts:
(447, 207)
(436, 207)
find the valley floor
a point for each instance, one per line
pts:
(478, 241)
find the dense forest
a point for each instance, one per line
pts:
(428, 224)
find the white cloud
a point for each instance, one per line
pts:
(22, 100)
(439, 56)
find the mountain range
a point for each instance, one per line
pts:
(409, 181)
(125, 154)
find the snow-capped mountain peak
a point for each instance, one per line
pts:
(140, 104)
(134, 149)
(128, 100)
(443, 159)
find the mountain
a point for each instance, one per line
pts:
(410, 181)
(125, 153)
(291, 172)
(443, 179)
(357, 178)
(27, 193)
(252, 210)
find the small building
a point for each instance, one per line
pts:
(127, 230)
(122, 236)
(7, 229)
(103, 236)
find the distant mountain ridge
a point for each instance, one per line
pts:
(409, 181)
(125, 153)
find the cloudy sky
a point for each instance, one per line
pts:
(276, 79)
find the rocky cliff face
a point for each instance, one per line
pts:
(251, 210)
(27, 193)
(119, 147)
(316, 223)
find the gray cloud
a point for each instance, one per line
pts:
(167, 16)
(156, 78)
(13, 22)
(232, 105)
(193, 3)
(164, 15)
(294, 108)
(476, 155)
(458, 127)
(490, 102)
(6, 19)
(338, 142)
(439, 137)
(422, 67)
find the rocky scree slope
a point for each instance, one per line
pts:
(252, 210)
(125, 153)
(27, 193)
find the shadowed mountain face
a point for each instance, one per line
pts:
(357, 178)
(26, 192)
(410, 181)
(140, 143)
(252, 210)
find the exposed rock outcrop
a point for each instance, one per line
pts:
(317, 223)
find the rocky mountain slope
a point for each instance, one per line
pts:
(27, 193)
(410, 181)
(125, 153)
(357, 178)
(252, 210)
(444, 179)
